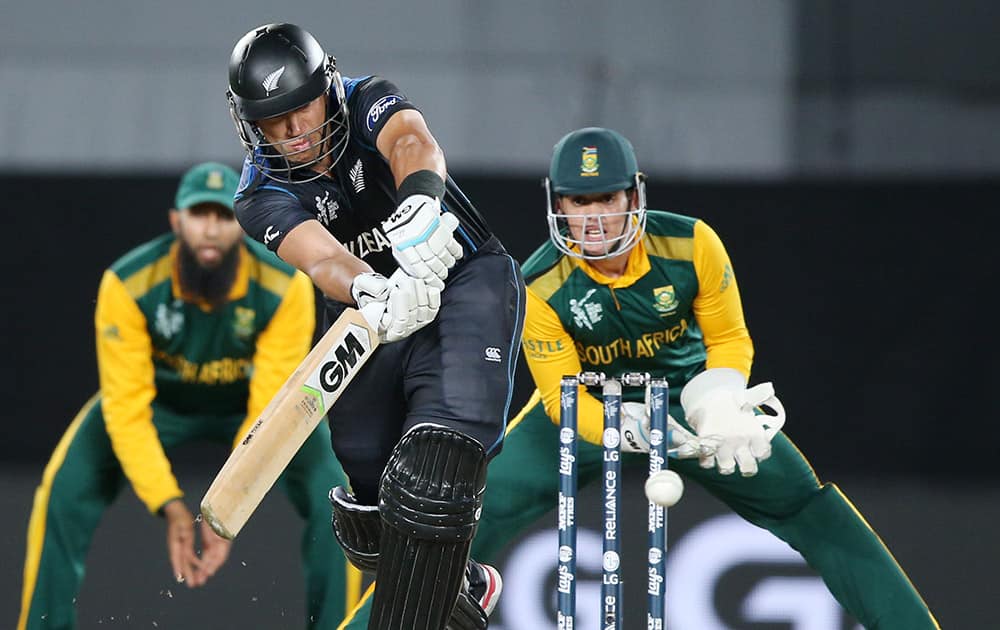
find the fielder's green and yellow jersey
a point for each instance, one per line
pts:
(675, 311)
(155, 343)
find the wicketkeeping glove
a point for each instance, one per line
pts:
(422, 237)
(635, 433)
(721, 410)
(399, 305)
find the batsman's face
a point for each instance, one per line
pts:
(297, 135)
(209, 230)
(595, 220)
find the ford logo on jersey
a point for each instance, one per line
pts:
(379, 108)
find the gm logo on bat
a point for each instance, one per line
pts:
(334, 372)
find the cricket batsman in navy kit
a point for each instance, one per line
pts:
(344, 181)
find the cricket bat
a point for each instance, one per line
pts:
(298, 407)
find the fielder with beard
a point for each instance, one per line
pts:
(196, 330)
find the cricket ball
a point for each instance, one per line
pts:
(664, 487)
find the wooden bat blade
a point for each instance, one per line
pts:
(291, 416)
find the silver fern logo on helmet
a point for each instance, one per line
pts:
(270, 82)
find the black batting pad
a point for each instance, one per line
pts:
(358, 529)
(430, 499)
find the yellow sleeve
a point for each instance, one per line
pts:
(550, 354)
(717, 307)
(125, 367)
(281, 346)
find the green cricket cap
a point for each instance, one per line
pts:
(208, 182)
(592, 160)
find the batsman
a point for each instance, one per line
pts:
(344, 180)
(620, 288)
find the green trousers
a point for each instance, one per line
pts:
(785, 498)
(83, 478)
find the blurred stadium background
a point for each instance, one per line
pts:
(847, 152)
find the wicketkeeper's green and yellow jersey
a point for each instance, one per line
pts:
(154, 343)
(674, 312)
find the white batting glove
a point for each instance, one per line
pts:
(423, 241)
(396, 306)
(721, 410)
(635, 433)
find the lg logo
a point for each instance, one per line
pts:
(697, 567)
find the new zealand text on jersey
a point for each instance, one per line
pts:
(369, 242)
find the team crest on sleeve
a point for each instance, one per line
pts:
(380, 107)
(727, 278)
(269, 235)
(665, 299)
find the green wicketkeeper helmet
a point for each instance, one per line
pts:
(594, 160)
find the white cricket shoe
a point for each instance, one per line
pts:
(479, 596)
(485, 585)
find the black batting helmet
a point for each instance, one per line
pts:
(275, 69)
